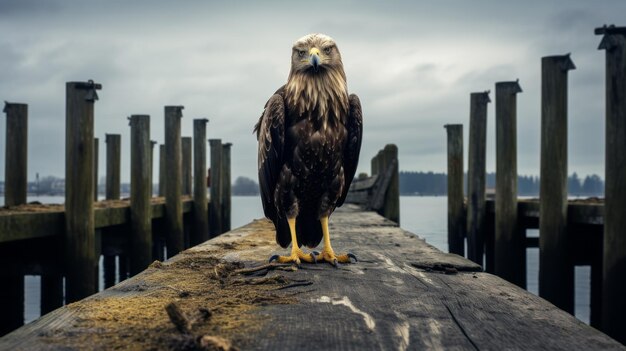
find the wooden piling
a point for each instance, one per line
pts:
(477, 176)
(96, 144)
(80, 256)
(200, 231)
(215, 205)
(141, 190)
(152, 144)
(391, 208)
(114, 146)
(614, 262)
(374, 165)
(510, 246)
(186, 144)
(173, 166)
(16, 154)
(162, 170)
(556, 270)
(11, 301)
(51, 290)
(456, 216)
(226, 187)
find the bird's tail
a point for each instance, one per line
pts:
(309, 230)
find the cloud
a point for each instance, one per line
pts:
(413, 65)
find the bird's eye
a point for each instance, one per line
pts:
(328, 50)
(301, 53)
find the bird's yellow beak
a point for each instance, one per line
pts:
(314, 57)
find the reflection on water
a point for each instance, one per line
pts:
(424, 216)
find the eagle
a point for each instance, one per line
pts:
(309, 137)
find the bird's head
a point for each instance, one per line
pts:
(315, 54)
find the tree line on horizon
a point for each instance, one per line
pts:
(411, 183)
(431, 183)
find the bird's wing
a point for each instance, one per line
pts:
(353, 145)
(271, 136)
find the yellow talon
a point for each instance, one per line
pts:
(297, 255)
(328, 254)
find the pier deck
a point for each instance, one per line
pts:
(402, 294)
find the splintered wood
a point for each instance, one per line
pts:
(403, 294)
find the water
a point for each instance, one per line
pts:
(425, 216)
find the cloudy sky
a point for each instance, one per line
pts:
(412, 63)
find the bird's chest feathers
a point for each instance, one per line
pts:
(321, 99)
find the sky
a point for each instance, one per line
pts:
(412, 63)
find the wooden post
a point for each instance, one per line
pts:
(16, 154)
(186, 144)
(51, 290)
(11, 301)
(96, 144)
(374, 165)
(226, 187)
(173, 165)
(556, 270)
(456, 217)
(392, 197)
(200, 231)
(152, 144)
(614, 262)
(114, 146)
(381, 162)
(162, 170)
(140, 191)
(510, 246)
(215, 206)
(112, 192)
(476, 176)
(80, 246)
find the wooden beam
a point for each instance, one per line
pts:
(80, 255)
(476, 176)
(200, 231)
(456, 215)
(215, 206)
(173, 165)
(16, 154)
(141, 190)
(556, 271)
(614, 263)
(509, 249)
(162, 170)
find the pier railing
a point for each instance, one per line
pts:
(64, 243)
(571, 232)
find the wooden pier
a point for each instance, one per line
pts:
(63, 244)
(572, 233)
(403, 294)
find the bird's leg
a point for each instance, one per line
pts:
(297, 254)
(328, 254)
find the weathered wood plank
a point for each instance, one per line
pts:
(456, 213)
(385, 301)
(16, 154)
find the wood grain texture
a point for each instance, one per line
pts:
(383, 302)
(113, 171)
(173, 165)
(200, 230)
(215, 205)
